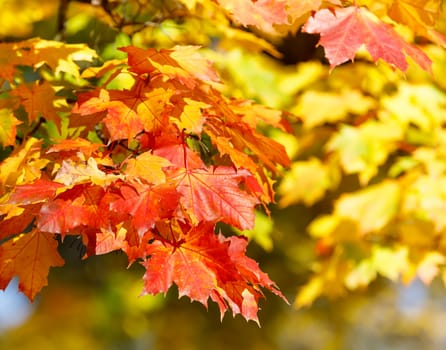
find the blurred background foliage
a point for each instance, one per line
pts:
(363, 201)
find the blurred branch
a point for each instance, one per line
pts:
(61, 18)
(174, 11)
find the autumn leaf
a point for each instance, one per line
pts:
(328, 280)
(180, 156)
(237, 136)
(67, 148)
(39, 191)
(29, 256)
(36, 52)
(204, 265)
(146, 204)
(424, 198)
(192, 117)
(345, 30)
(107, 241)
(62, 216)
(39, 100)
(420, 16)
(420, 105)
(256, 115)
(18, 222)
(320, 107)
(429, 267)
(192, 61)
(101, 71)
(364, 148)
(128, 112)
(23, 166)
(182, 63)
(262, 14)
(300, 8)
(8, 130)
(72, 173)
(214, 194)
(148, 167)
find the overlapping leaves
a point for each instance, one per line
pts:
(155, 188)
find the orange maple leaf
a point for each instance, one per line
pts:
(29, 256)
(128, 112)
(40, 190)
(182, 63)
(36, 52)
(39, 100)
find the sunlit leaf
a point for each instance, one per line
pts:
(345, 30)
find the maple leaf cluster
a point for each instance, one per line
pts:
(172, 158)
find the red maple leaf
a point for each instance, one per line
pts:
(146, 204)
(344, 30)
(181, 156)
(38, 191)
(204, 265)
(214, 194)
(62, 216)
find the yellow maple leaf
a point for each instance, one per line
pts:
(149, 167)
(192, 118)
(29, 256)
(23, 166)
(420, 16)
(8, 129)
(36, 52)
(71, 173)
